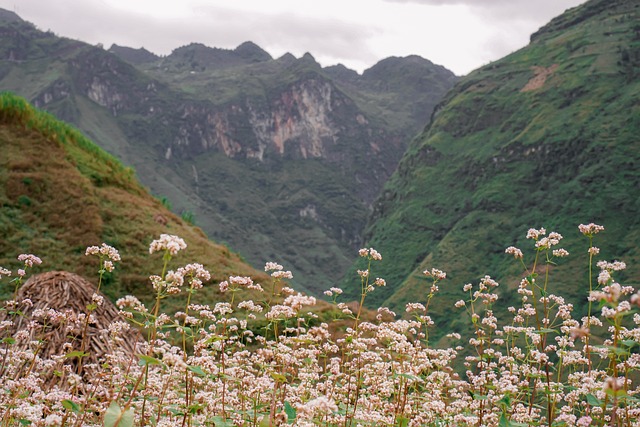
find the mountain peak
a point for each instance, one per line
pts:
(134, 56)
(252, 52)
(9, 16)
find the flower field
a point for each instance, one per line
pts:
(273, 361)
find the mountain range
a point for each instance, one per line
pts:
(280, 159)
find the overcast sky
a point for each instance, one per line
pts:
(460, 34)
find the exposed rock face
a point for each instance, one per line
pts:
(301, 114)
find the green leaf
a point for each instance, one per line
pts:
(402, 422)
(25, 422)
(78, 354)
(618, 351)
(221, 422)
(116, 417)
(197, 370)
(504, 422)
(408, 376)
(544, 331)
(279, 377)
(148, 360)
(70, 405)
(593, 401)
(195, 408)
(478, 396)
(9, 340)
(291, 412)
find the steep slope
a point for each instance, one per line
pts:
(60, 193)
(545, 137)
(278, 158)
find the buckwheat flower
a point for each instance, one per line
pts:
(375, 255)
(224, 286)
(29, 260)
(336, 291)
(414, 306)
(130, 301)
(21, 272)
(547, 242)
(363, 252)
(535, 234)
(298, 301)
(170, 243)
(173, 282)
(317, 407)
(249, 305)
(380, 282)
(604, 277)
(460, 303)
(584, 421)
(363, 273)
(435, 273)
(593, 251)
(617, 265)
(608, 312)
(223, 308)
(282, 275)
(560, 253)
(195, 274)
(4, 272)
(288, 290)
(280, 312)
(611, 266)
(272, 266)
(108, 265)
(590, 229)
(344, 308)
(53, 420)
(512, 250)
(97, 299)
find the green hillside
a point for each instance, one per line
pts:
(545, 137)
(59, 193)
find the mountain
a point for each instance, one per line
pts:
(545, 137)
(280, 159)
(59, 193)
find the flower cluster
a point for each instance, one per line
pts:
(167, 242)
(108, 255)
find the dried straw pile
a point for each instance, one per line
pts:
(70, 294)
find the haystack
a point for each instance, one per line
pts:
(70, 294)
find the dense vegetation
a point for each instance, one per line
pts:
(548, 133)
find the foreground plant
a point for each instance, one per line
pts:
(271, 361)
